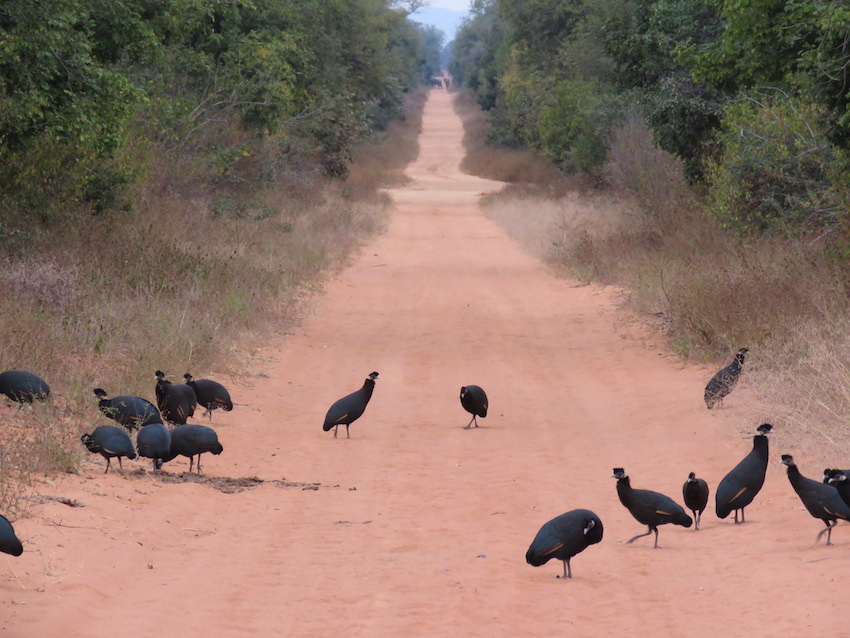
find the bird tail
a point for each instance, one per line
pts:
(542, 547)
(327, 426)
(709, 401)
(130, 455)
(217, 448)
(534, 558)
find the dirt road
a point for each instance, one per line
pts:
(418, 527)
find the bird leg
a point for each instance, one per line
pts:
(648, 532)
(107, 465)
(827, 531)
(469, 425)
(120, 466)
(199, 464)
(742, 517)
(336, 427)
(347, 434)
(568, 572)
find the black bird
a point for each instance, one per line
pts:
(9, 542)
(154, 442)
(821, 501)
(23, 387)
(131, 412)
(190, 440)
(210, 394)
(110, 442)
(828, 474)
(563, 537)
(740, 486)
(724, 381)
(176, 402)
(350, 408)
(695, 493)
(648, 507)
(840, 480)
(474, 400)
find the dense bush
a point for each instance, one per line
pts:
(199, 77)
(776, 169)
(556, 76)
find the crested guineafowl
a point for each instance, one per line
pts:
(23, 387)
(740, 486)
(840, 480)
(829, 473)
(474, 400)
(131, 412)
(210, 394)
(176, 402)
(695, 493)
(192, 440)
(154, 442)
(821, 501)
(9, 542)
(724, 382)
(648, 507)
(110, 442)
(350, 408)
(563, 537)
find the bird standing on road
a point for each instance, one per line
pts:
(350, 408)
(192, 440)
(210, 394)
(724, 382)
(695, 493)
(563, 537)
(740, 486)
(474, 400)
(176, 402)
(648, 507)
(821, 501)
(110, 442)
(154, 442)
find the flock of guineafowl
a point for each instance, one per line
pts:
(561, 538)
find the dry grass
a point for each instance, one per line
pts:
(193, 278)
(710, 292)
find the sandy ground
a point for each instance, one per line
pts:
(415, 526)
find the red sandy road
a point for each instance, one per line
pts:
(431, 541)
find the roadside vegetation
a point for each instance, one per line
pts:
(175, 177)
(702, 152)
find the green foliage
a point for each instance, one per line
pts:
(190, 76)
(572, 127)
(479, 52)
(777, 168)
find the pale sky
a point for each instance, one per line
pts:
(454, 5)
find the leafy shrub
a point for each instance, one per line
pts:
(572, 128)
(776, 170)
